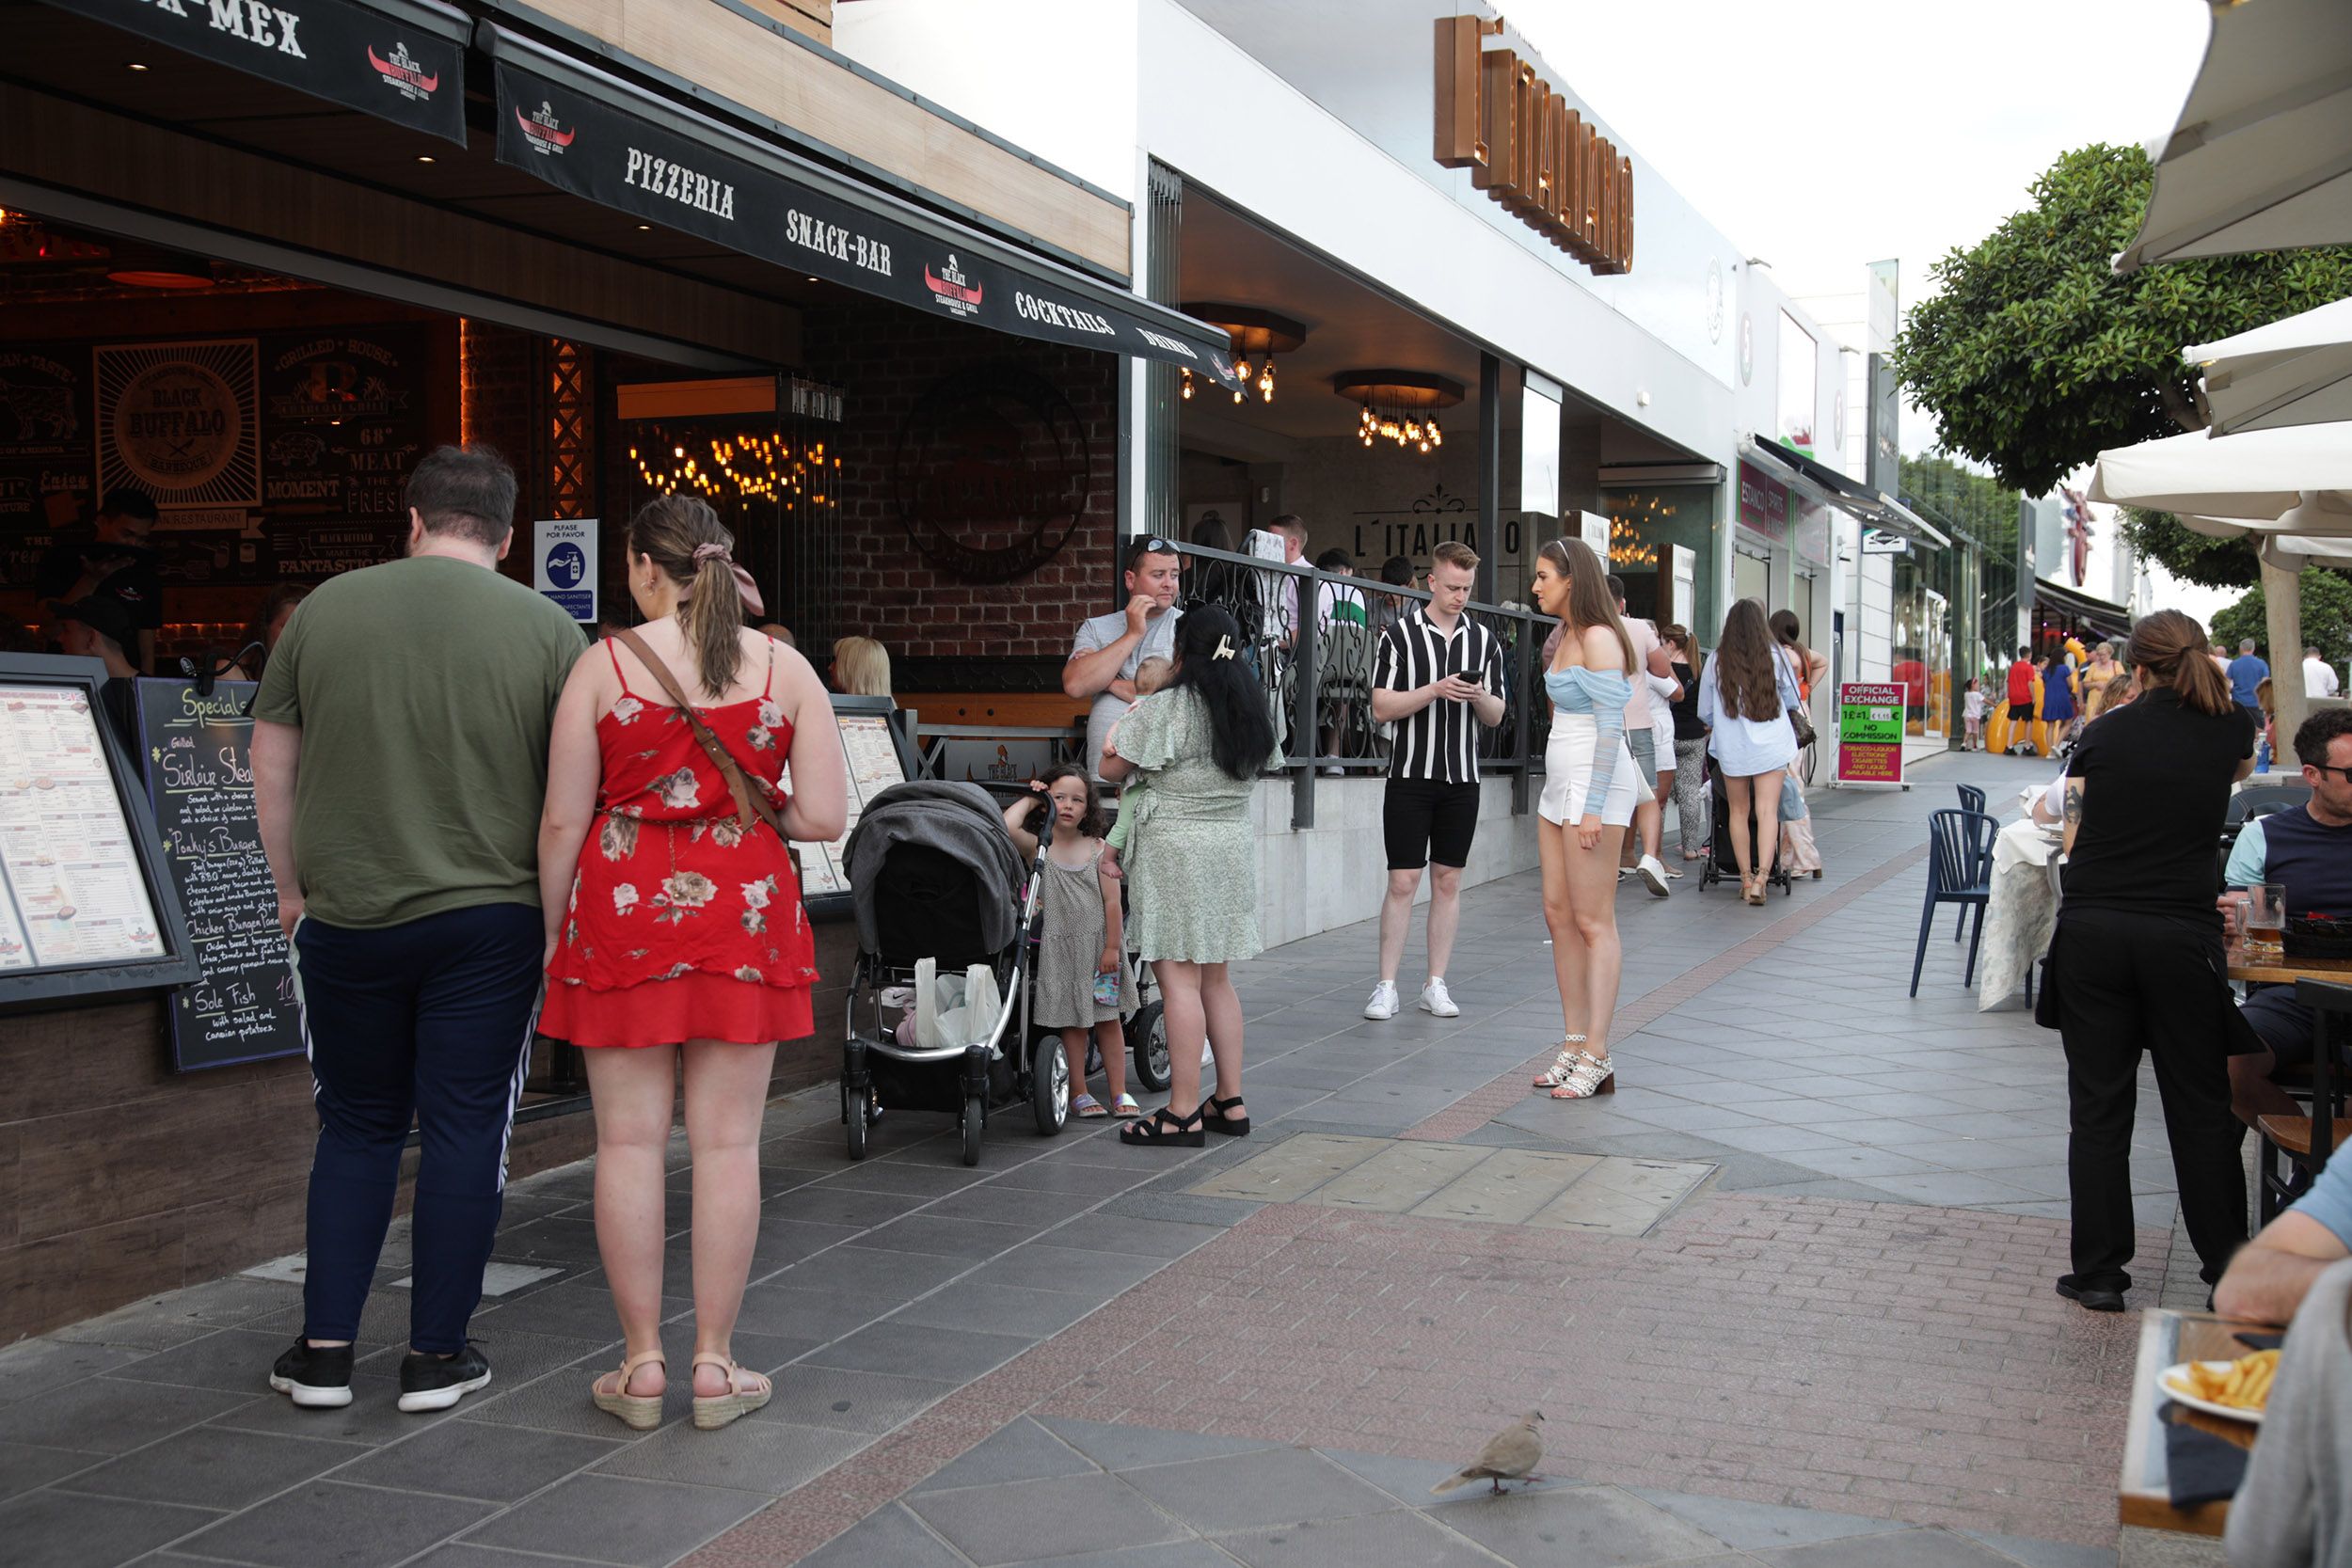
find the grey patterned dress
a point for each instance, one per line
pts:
(1192, 863)
(1072, 944)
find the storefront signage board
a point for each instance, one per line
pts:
(196, 750)
(563, 564)
(588, 145)
(1870, 733)
(402, 63)
(1592, 527)
(1763, 505)
(87, 907)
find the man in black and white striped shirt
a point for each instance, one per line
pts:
(1438, 677)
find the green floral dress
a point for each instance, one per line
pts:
(1192, 859)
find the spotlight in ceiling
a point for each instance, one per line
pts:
(426, 158)
(136, 66)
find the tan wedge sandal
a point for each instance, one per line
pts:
(638, 1412)
(713, 1411)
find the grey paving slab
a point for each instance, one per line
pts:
(767, 1457)
(473, 1459)
(1024, 1521)
(1400, 1537)
(1022, 1450)
(1757, 1526)
(1125, 1447)
(784, 1240)
(558, 1239)
(900, 1177)
(829, 1203)
(35, 1366)
(1593, 1527)
(848, 1399)
(367, 1528)
(103, 1415)
(206, 1467)
(1080, 1180)
(60, 1529)
(1917, 1548)
(871, 1272)
(1292, 1168)
(998, 1309)
(1399, 1177)
(949, 1237)
(782, 1310)
(1257, 1491)
(1080, 1271)
(458, 1554)
(368, 1421)
(2045, 1554)
(918, 1350)
(235, 1360)
(1102, 1231)
(637, 1524)
(894, 1537)
(23, 1467)
(573, 1311)
(1026, 1207)
(1506, 1188)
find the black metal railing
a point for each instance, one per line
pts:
(1312, 637)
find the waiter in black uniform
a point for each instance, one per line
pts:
(115, 564)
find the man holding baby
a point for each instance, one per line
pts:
(1111, 649)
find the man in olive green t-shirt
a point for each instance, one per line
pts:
(400, 758)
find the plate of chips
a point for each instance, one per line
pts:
(2235, 1390)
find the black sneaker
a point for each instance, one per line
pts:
(2094, 1298)
(317, 1376)
(437, 1382)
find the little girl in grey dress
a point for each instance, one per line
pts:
(1081, 955)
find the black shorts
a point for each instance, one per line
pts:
(2021, 713)
(1426, 820)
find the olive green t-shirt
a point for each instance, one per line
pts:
(425, 689)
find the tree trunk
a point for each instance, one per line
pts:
(2186, 414)
(2282, 610)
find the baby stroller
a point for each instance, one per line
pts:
(1723, 863)
(934, 875)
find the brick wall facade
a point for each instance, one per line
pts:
(936, 622)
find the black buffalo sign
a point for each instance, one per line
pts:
(627, 162)
(398, 62)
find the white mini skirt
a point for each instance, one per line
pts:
(1568, 774)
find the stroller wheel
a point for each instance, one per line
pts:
(975, 1122)
(1049, 1086)
(1147, 1043)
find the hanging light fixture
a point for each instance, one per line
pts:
(1400, 407)
(1258, 336)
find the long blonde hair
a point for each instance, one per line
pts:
(861, 667)
(684, 538)
(1589, 603)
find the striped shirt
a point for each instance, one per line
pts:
(1439, 742)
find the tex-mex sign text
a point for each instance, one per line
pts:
(1524, 147)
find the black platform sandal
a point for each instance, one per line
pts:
(1161, 1127)
(1232, 1127)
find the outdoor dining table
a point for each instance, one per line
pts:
(2021, 912)
(2144, 1496)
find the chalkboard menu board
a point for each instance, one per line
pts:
(343, 423)
(197, 750)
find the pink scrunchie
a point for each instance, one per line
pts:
(743, 584)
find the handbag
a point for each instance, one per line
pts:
(751, 806)
(1799, 721)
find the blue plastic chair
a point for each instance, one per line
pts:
(1971, 799)
(1960, 851)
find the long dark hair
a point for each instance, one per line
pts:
(2174, 649)
(1208, 660)
(1745, 675)
(1789, 633)
(1590, 603)
(1095, 821)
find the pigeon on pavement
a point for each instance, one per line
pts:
(1510, 1454)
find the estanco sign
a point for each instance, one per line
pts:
(1542, 160)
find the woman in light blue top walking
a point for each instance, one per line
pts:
(1589, 790)
(1745, 695)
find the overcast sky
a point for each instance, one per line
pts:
(1824, 135)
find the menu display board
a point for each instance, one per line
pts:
(84, 907)
(196, 748)
(877, 757)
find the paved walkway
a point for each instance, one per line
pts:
(1785, 1299)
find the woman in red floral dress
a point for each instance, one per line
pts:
(676, 933)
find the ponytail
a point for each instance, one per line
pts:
(2174, 649)
(710, 619)
(682, 536)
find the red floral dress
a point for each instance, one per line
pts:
(683, 925)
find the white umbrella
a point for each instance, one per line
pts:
(2261, 157)
(2257, 476)
(2293, 371)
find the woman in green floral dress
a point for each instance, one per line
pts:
(1192, 863)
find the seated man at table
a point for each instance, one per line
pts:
(2309, 849)
(2271, 1275)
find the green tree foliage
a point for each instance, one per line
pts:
(2158, 536)
(1978, 502)
(2326, 620)
(2035, 357)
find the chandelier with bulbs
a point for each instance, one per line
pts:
(1400, 407)
(1258, 336)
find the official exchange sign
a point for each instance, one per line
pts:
(380, 62)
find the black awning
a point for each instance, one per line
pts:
(624, 148)
(1826, 484)
(2099, 615)
(403, 61)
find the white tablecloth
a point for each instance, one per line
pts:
(2022, 912)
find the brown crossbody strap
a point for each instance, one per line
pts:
(751, 805)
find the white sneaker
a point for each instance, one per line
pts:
(1435, 1000)
(1383, 1004)
(1653, 874)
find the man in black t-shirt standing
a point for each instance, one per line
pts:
(2138, 964)
(115, 564)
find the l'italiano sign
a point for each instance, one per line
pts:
(1524, 147)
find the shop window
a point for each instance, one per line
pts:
(1643, 526)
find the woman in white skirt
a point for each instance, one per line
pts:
(1589, 790)
(1746, 696)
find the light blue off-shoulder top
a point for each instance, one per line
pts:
(1602, 694)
